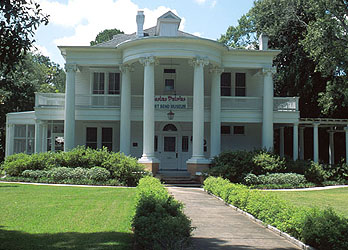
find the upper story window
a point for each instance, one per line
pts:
(106, 85)
(98, 83)
(226, 84)
(240, 88)
(114, 83)
(169, 76)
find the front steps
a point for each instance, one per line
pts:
(177, 178)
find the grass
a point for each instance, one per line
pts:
(335, 198)
(51, 217)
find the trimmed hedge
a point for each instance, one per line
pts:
(99, 165)
(159, 222)
(322, 229)
(292, 179)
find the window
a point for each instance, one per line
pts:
(98, 83)
(156, 143)
(225, 130)
(226, 84)
(114, 83)
(91, 138)
(24, 139)
(240, 84)
(169, 76)
(170, 127)
(185, 144)
(238, 130)
(107, 138)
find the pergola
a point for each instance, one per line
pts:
(333, 126)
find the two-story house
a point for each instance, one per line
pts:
(169, 98)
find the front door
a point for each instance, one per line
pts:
(169, 157)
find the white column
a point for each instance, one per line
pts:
(149, 111)
(125, 123)
(302, 143)
(8, 138)
(331, 147)
(215, 111)
(38, 136)
(295, 141)
(346, 132)
(44, 136)
(198, 111)
(267, 116)
(281, 141)
(315, 142)
(69, 119)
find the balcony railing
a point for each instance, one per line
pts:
(284, 104)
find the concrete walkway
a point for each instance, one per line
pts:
(221, 227)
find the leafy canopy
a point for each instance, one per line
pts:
(105, 35)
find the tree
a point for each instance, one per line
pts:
(287, 23)
(18, 21)
(35, 73)
(105, 36)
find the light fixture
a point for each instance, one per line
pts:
(170, 115)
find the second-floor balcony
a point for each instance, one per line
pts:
(56, 100)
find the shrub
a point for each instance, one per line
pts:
(290, 179)
(266, 162)
(98, 174)
(35, 174)
(159, 222)
(322, 229)
(61, 173)
(315, 173)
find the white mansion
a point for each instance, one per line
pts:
(167, 97)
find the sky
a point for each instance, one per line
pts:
(77, 22)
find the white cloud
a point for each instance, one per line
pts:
(200, 1)
(89, 17)
(213, 3)
(40, 50)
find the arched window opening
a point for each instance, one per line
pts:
(170, 127)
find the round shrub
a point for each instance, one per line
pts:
(98, 174)
(61, 173)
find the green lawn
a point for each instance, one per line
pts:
(335, 198)
(49, 217)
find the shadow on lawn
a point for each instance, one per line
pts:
(71, 240)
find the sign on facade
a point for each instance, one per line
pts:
(170, 102)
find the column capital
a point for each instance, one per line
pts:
(316, 124)
(197, 61)
(70, 67)
(216, 70)
(146, 61)
(269, 70)
(124, 68)
(346, 128)
(295, 124)
(38, 121)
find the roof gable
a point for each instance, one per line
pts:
(168, 24)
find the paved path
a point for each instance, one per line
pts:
(221, 227)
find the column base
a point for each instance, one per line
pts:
(196, 166)
(151, 164)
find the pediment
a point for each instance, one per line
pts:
(170, 15)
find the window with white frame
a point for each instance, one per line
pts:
(24, 139)
(169, 76)
(107, 138)
(238, 130)
(240, 88)
(97, 137)
(226, 84)
(91, 137)
(98, 83)
(114, 84)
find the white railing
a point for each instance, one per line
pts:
(285, 104)
(241, 103)
(114, 101)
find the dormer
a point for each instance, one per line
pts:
(168, 24)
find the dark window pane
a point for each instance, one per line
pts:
(114, 83)
(225, 130)
(169, 84)
(91, 145)
(225, 91)
(98, 84)
(91, 135)
(170, 127)
(184, 144)
(240, 91)
(169, 144)
(106, 134)
(238, 130)
(226, 79)
(240, 79)
(170, 71)
(107, 145)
